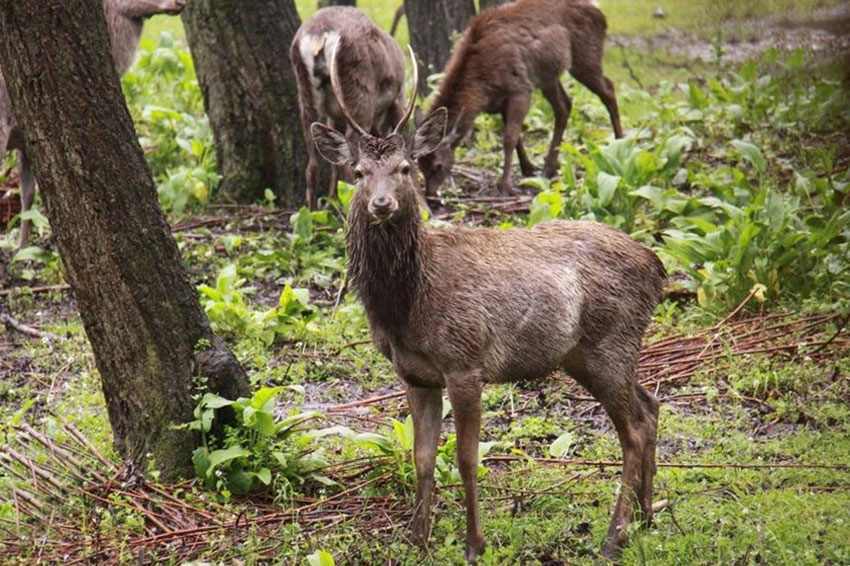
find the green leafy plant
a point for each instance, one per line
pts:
(259, 450)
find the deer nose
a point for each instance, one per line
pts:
(382, 206)
(382, 201)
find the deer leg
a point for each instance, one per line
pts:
(561, 106)
(426, 406)
(591, 76)
(27, 195)
(465, 395)
(614, 384)
(650, 411)
(525, 165)
(515, 110)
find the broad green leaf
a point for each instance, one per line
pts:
(219, 457)
(265, 476)
(201, 461)
(562, 445)
(213, 401)
(751, 153)
(36, 217)
(320, 558)
(607, 186)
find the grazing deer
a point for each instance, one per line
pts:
(458, 308)
(124, 20)
(369, 82)
(505, 53)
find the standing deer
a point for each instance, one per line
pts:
(458, 308)
(124, 20)
(369, 81)
(506, 52)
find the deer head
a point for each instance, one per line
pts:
(383, 167)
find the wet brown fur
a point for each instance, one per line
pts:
(371, 71)
(458, 308)
(507, 52)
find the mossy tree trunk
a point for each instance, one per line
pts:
(433, 25)
(241, 54)
(140, 312)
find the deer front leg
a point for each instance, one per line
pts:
(426, 406)
(515, 110)
(465, 396)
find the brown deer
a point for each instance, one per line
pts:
(458, 308)
(369, 81)
(505, 53)
(124, 20)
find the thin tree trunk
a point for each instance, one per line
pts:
(148, 333)
(433, 25)
(241, 53)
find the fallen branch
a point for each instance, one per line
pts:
(42, 289)
(618, 463)
(14, 324)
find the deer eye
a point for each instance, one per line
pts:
(404, 169)
(358, 174)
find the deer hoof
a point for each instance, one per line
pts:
(505, 188)
(474, 549)
(551, 169)
(420, 532)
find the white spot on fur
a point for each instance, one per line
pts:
(313, 49)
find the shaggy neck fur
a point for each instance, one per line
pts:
(385, 264)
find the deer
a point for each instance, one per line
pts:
(125, 21)
(369, 82)
(505, 53)
(458, 308)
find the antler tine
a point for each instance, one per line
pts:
(337, 89)
(412, 103)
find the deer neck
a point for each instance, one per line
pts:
(385, 267)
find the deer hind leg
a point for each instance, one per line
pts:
(634, 414)
(426, 406)
(27, 195)
(525, 164)
(513, 114)
(465, 395)
(590, 75)
(561, 106)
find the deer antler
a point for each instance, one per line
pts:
(337, 89)
(412, 102)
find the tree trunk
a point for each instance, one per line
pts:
(148, 333)
(326, 3)
(242, 61)
(433, 25)
(490, 3)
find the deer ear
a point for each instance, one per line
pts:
(331, 144)
(430, 133)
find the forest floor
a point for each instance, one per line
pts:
(735, 172)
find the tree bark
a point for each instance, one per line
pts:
(242, 61)
(148, 333)
(326, 3)
(484, 4)
(433, 25)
